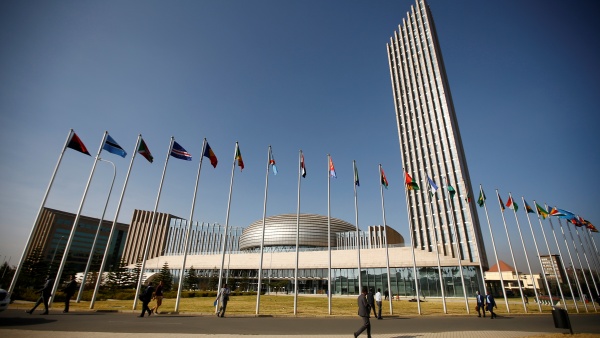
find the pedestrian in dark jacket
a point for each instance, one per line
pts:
(371, 301)
(69, 291)
(146, 297)
(45, 293)
(364, 311)
(491, 304)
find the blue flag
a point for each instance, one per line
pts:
(112, 146)
(178, 152)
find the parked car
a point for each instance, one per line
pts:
(4, 300)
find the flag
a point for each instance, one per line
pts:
(410, 185)
(511, 204)
(302, 166)
(331, 168)
(144, 151)
(589, 225)
(451, 191)
(177, 151)
(432, 187)
(211, 155)
(238, 157)
(501, 203)
(481, 199)
(112, 146)
(272, 162)
(577, 221)
(384, 180)
(567, 214)
(356, 180)
(541, 211)
(555, 212)
(528, 208)
(76, 144)
(468, 198)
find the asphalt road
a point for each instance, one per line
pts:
(128, 322)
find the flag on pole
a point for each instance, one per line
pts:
(481, 199)
(432, 187)
(501, 203)
(528, 208)
(589, 225)
(144, 151)
(557, 212)
(302, 165)
(384, 180)
(410, 185)
(76, 144)
(211, 155)
(451, 191)
(112, 146)
(272, 162)
(511, 204)
(541, 211)
(178, 152)
(238, 157)
(577, 221)
(331, 168)
(356, 180)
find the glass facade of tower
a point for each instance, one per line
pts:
(430, 143)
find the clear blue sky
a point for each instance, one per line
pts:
(310, 75)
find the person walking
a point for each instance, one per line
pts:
(146, 297)
(69, 291)
(491, 304)
(158, 295)
(378, 302)
(480, 304)
(364, 311)
(222, 299)
(371, 301)
(45, 293)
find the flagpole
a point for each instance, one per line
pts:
(89, 262)
(457, 248)
(481, 272)
(562, 260)
(589, 244)
(437, 249)
(481, 194)
(329, 233)
(37, 218)
(387, 252)
(262, 238)
(297, 234)
(549, 256)
(189, 230)
(412, 247)
(539, 256)
(580, 265)
(223, 242)
(74, 226)
(112, 230)
(357, 229)
(524, 249)
(574, 269)
(589, 268)
(512, 255)
(151, 228)
(591, 241)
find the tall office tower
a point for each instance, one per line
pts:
(430, 142)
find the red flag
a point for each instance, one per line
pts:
(76, 144)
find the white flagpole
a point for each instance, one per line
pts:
(189, 230)
(481, 193)
(412, 249)
(151, 229)
(74, 227)
(297, 234)
(262, 238)
(512, 255)
(589, 268)
(387, 253)
(329, 232)
(457, 248)
(589, 245)
(525, 250)
(37, 218)
(437, 249)
(580, 265)
(539, 257)
(562, 260)
(224, 242)
(574, 268)
(357, 228)
(481, 272)
(591, 241)
(89, 262)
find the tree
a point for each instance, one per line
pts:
(6, 274)
(136, 272)
(166, 277)
(191, 280)
(120, 277)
